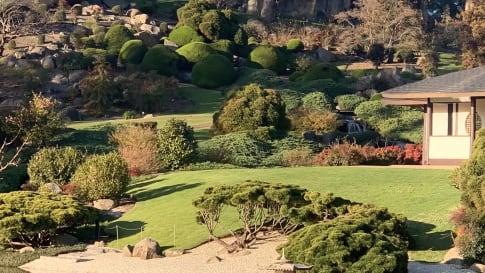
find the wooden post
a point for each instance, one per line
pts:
(473, 121)
(428, 110)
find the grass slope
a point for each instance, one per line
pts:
(422, 195)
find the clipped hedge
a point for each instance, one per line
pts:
(183, 35)
(349, 102)
(322, 71)
(161, 59)
(116, 36)
(196, 51)
(132, 52)
(268, 57)
(224, 47)
(295, 45)
(212, 72)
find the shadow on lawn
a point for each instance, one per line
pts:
(124, 228)
(142, 194)
(421, 237)
(134, 188)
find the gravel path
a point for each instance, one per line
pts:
(198, 260)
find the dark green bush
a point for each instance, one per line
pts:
(161, 59)
(191, 13)
(263, 77)
(291, 98)
(349, 102)
(200, 166)
(132, 52)
(94, 53)
(101, 176)
(241, 37)
(215, 26)
(176, 144)
(322, 71)
(268, 57)
(330, 87)
(13, 177)
(411, 76)
(296, 76)
(316, 102)
(53, 165)
(131, 114)
(183, 35)
(237, 149)
(366, 239)
(250, 108)
(11, 259)
(73, 60)
(116, 37)
(295, 45)
(196, 51)
(213, 71)
(34, 217)
(224, 47)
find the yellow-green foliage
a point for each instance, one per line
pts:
(176, 144)
(295, 45)
(196, 51)
(132, 52)
(101, 176)
(34, 217)
(116, 37)
(213, 72)
(268, 57)
(183, 35)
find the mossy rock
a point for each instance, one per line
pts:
(268, 57)
(213, 71)
(161, 59)
(295, 45)
(196, 51)
(116, 37)
(322, 71)
(132, 52)
(184, 34)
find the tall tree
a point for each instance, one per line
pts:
(474, 46)
(390, 23)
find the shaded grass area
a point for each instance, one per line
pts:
(9, 260)
(449, 62)
(422, 195)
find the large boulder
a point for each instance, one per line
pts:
(92, 10)
(77, 75)
(48, 62)
(139, 19)
(146, 249)
(104, 204)
(52, 187)
(64, 240)
(127, 251)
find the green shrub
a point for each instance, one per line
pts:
(250, 108)
(116, 10)
(14, 259)
(132, 52)
(224, 47)
(215, 26)
(366, 239)
(291, 98)
(295, 45)
(376, 54)
(296, 76)
(41, 39)
(176, 144)
(116, 37)
(161, 59)
(263, 77)
(349, 102)
(268, 57)
(33, 217)
(60, 15)
(13, 177)
(53, 165)
(183, 35)
(316, 102)
(237, 149)
(73, 60)
(11, 45)
(191, 13)
(130, 114)
(241, 37)
(410, 76)
(200, 166)
(212, 72)
(101, 176)
(322, 71)
(164, 28)
(194, 52)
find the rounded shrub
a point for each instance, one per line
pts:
(215, 25)
(132, 52)
(176, 144)
(241, 37)
(268, 57)
(196, 51)
(322, 71)
(101, 176)
(116, 36)
(161, 59)
(213, 71)
(224, 47)
(316, 102)
(349, 102)
(53, 165)
(295, 45)
(184, 34)
(296, 76)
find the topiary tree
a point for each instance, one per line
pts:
(101, 176)
(268, 57)
(366, 239)
(295, 45)
(215, 26)
(191, 13)
(183, 35)
(376, 54)
(161, 59)
(176, 144)
(196, 51)
(250, 108)
(349, 102)
(213, 71)
(116, 36)
(322, 71)
(33, 218)
(53, 165)
(132, 52)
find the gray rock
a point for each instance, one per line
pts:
(453, 256)
(26, 249)
(324, 55)
(139, 19)
(104, 204)
(150, 28)
(48, 62)
(127, 251)
(11, 102)
(52, 47)
(20, 54)
(132, 12)
(77, 75)
(59, 79)
(64, 240)
(38, 50)
(92, 10)
(146, 249)
(477, 267)
(167, 42)
(24, 64)
(52, 187)
(9, 61)
(148, 38)
(174, 252)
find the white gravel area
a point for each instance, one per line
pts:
(102, 260)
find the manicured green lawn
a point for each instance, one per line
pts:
(449, 62)
(424, 196)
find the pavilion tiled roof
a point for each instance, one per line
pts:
(464, 83)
